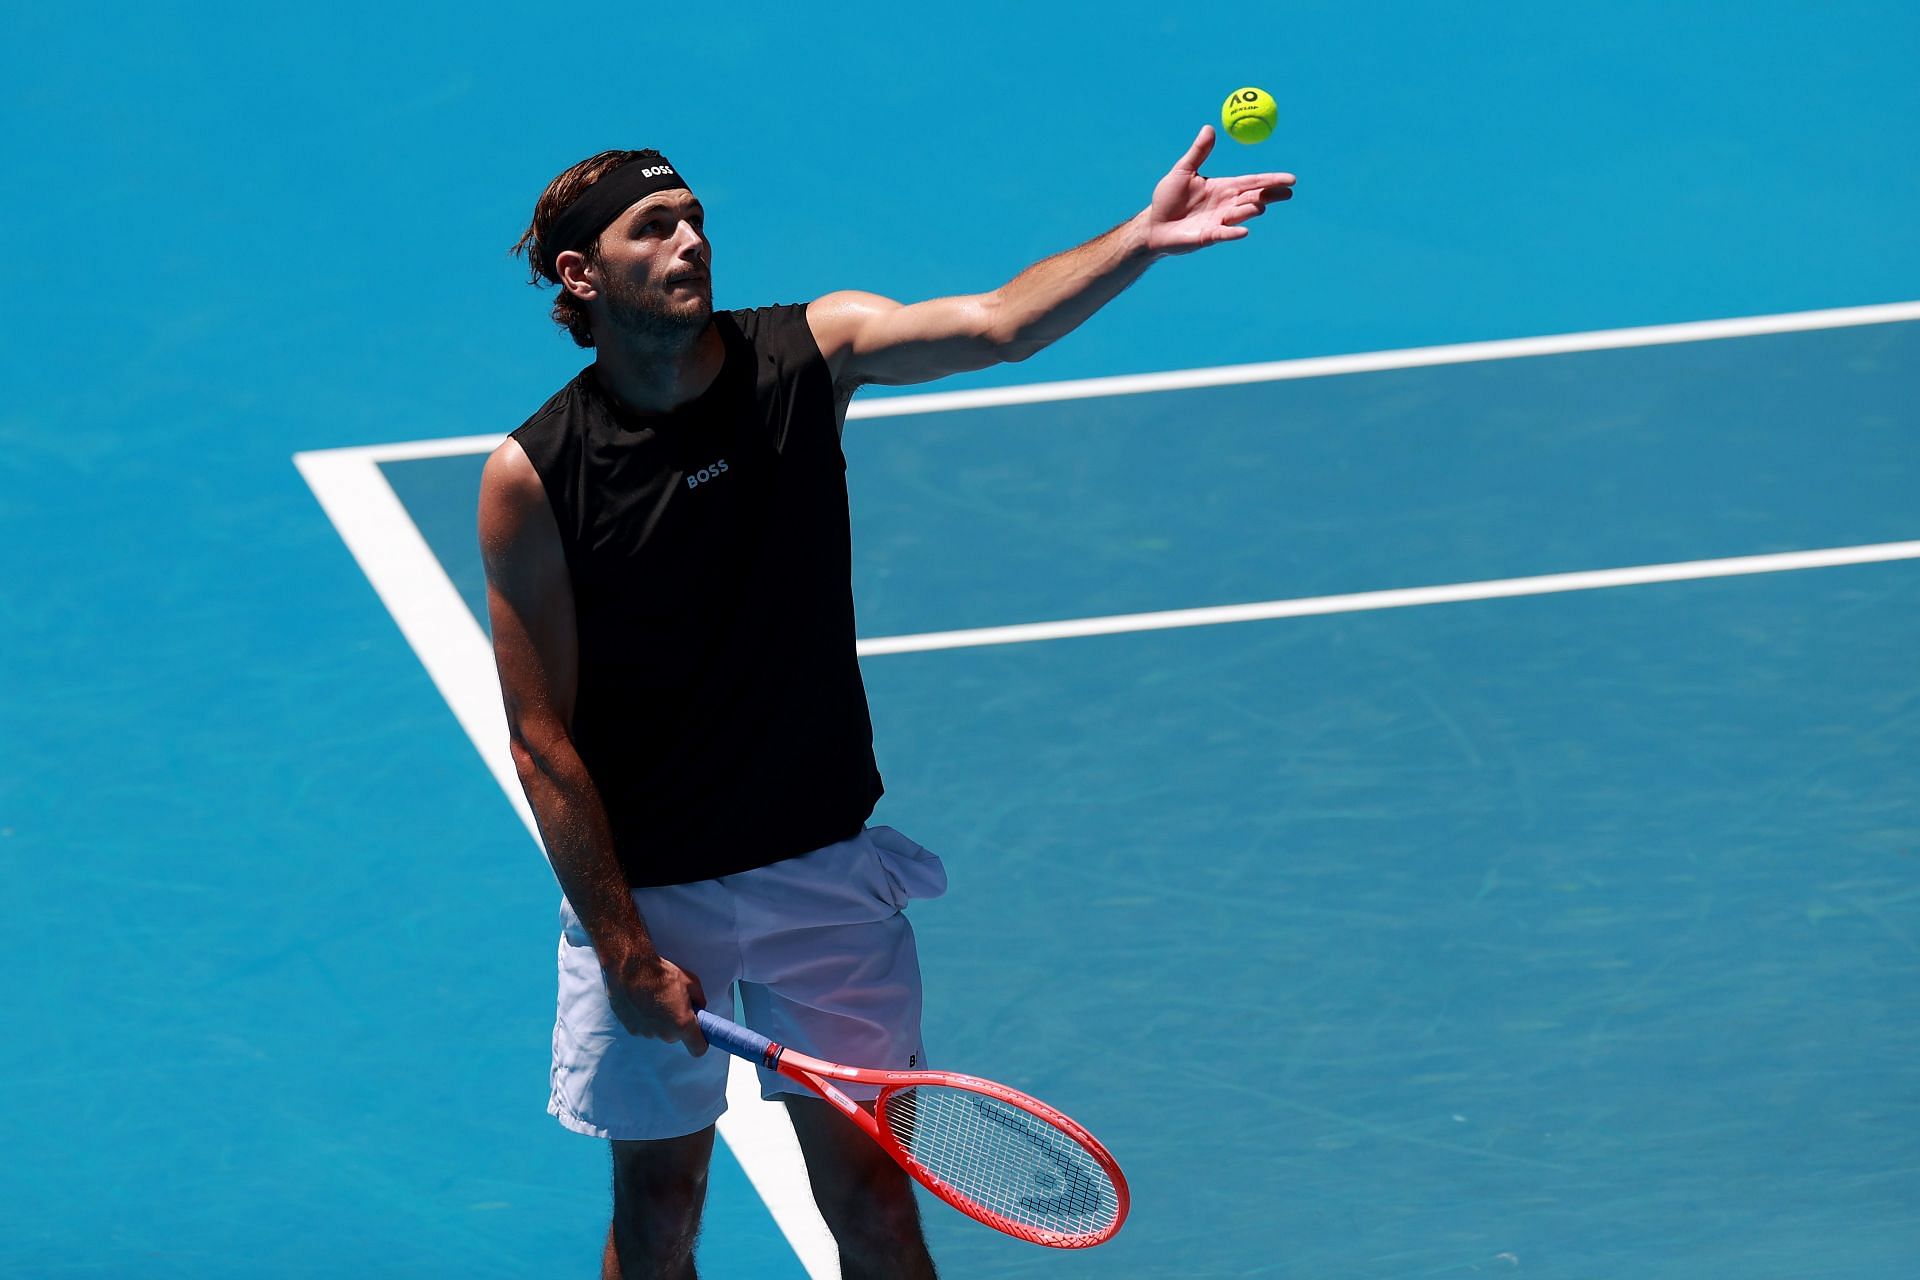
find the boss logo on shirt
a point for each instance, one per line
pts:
(717, 467)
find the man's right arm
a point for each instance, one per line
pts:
(536, 647)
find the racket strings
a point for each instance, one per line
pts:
(1005, 1159)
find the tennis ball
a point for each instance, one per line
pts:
(1249, 115)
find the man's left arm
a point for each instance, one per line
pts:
(870, 339)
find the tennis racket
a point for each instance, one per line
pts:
(991, 1152)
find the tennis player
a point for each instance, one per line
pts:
(668, 576)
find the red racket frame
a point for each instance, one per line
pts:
(818, 1075)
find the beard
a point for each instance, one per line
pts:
(658, 318)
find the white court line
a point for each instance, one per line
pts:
(1401, 598)
(897, 406)
(449, 641)
(1375, 361)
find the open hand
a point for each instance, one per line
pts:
(1191, 212)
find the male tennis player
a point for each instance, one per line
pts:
(668, 575)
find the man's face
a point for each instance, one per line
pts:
(656, 267)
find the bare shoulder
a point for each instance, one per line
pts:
(513, 503)
(510, 479)
(529, 596)
(508, 468)
(837, 319)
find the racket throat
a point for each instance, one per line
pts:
(839, 1099)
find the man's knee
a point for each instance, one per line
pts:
(874, 1219)
(658, 1191)
(866, 1199)
(877, 1193)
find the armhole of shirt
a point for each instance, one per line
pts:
(785, 331)
(812, 346)
(544, 461)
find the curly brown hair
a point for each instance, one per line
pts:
(568, 312)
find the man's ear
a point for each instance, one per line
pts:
(577, 275)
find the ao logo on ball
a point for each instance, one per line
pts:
(1249, 115)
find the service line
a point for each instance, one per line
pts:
(1398, 598)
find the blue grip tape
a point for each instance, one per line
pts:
(734, 1038)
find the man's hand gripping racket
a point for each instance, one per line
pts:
(993, 1153)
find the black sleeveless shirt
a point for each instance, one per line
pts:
(720, 710)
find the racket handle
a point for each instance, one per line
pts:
(735, 1039)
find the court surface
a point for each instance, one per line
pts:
(1419, 708)
(1539, 914)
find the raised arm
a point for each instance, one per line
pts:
(870, 339)
(536, 647)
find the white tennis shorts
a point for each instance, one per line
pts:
(822, 953)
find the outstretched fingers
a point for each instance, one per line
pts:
(1241, 211)
(1270, 186)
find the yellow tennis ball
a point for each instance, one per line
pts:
(1249, 115)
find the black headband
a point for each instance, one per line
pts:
(581, 222)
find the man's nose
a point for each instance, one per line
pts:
(690, 242)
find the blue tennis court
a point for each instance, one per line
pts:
(1393, 899)
(1594, 903)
